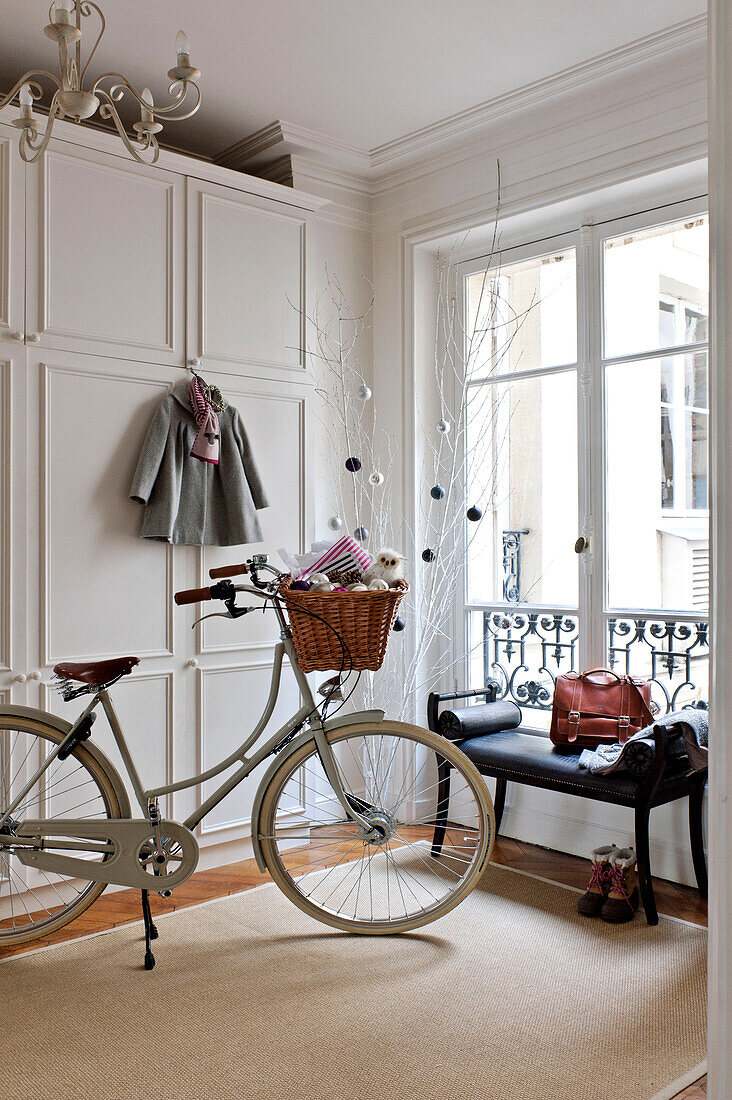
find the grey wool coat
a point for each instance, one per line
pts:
(192, 502)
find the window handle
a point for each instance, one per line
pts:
(581, 545)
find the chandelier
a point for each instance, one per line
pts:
(72, 100)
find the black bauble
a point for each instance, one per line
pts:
(353, 465)
(428, 554)
(474, 514)
(398, 624)
(437, 492)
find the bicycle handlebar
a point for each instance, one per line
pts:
(193, 595)
(228, 571)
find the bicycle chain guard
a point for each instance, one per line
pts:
(133, 859)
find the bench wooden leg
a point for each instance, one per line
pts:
(499, 802)
(443, 802)
(696, 835)
(643, 853)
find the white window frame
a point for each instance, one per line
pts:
(588, 239)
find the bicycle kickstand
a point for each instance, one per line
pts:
(151, 932)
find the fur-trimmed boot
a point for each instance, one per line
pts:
(592, 901)
(622, 898)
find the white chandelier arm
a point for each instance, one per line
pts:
(121, 85)
(26, 138)
(146, 142)
(35, 89)
(185, 85)
(85, 7)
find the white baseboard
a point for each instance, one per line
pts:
(577, 825)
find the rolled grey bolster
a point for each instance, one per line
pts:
(638, 756)
(464, 722)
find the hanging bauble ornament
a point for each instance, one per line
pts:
(428, 554)
(361, 533)
(398, 624)
(353, 465)
(474, 514)
(376, 478)
(443, 426)
(335, 523)
(363, 393)
(437, 492)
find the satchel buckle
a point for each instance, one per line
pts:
(574, 717)
(624, 720)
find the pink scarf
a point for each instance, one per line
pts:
(206, 444)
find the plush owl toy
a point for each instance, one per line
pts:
(388, 566)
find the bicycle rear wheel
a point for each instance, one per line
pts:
(35, 902)
(432, 829)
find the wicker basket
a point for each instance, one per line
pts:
(362, 619)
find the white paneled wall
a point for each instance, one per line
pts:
(113, 276)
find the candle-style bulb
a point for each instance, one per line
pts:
(182, 45)
(146, 97)
(26, 99)
(61, 12)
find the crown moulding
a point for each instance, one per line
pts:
(675, 54)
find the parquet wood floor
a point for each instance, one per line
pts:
(123, 906)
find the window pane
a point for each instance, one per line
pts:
(522, 472)
(695, 387)
(696, 460)
(656, 496)
(522, 316)
(657, 288)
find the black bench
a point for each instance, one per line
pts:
(525, 757)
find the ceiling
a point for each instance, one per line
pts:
(363, 72)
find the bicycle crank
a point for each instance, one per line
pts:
(133, 854)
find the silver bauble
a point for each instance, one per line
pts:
(376, 478)
(363, 393)
(443, 426)
(335, 523)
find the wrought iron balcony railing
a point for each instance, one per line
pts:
(525, 649)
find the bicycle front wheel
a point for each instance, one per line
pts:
(431, 829)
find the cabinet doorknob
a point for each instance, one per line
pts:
(19, 336)
(193, 663)
(33, 337)
(196, 363)
(581, 545)
(19, 678)
(37, 675)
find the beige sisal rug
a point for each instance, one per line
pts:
(512, 996)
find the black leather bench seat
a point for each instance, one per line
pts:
(530, 758)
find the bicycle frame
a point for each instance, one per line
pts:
(308, 713)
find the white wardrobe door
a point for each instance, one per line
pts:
(106, 265)
(246, 281)
(103, 591)
(12, 237)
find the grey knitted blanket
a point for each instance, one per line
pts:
(688, 736)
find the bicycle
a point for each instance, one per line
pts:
(353, 819)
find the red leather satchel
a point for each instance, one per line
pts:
(598, 708)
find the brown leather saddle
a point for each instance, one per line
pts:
(96, 673)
